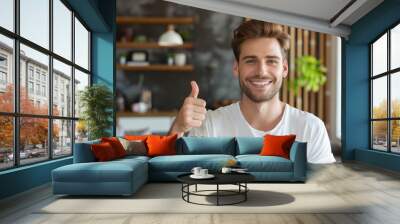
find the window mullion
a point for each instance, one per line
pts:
(371, 140)
(16, 70)
(73, 82)
(50, 81)
(389, 104)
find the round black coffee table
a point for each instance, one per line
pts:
(238, 179)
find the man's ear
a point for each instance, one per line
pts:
(285, 68)
(235, 68)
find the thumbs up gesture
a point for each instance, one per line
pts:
(192, 113)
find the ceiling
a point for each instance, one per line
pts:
(326, 16)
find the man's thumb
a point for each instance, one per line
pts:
(195, 89)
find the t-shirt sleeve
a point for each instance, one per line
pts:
(319, 146)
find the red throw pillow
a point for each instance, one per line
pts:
(103, 151)
(161, 145)
(116, 145)
(136, 137)
(275, 145)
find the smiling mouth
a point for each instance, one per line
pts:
(260, 83)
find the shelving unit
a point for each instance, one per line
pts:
(156, 68)
(129, 20)
(171, 113)
(150, 45)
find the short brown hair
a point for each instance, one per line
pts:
(254, 29)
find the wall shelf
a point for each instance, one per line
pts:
(150, 45)
(148, 114)
(128, 20)
(156, 68)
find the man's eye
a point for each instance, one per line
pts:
(249, 61)
(273, 62)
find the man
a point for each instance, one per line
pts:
(260, 50)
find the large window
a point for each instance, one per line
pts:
(385, 92)
(44, 64)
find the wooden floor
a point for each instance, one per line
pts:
(378, 188)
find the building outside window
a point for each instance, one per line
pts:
(30, 87)
(37, 75)
(30, 72)
(3, 81)
(55, 96)
(3, 72)
(38, 89)
(3, 61)
(44, 78)
(3, 78)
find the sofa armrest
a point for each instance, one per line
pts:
(83, 152)
(298, 155)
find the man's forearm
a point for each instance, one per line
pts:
(175, 130)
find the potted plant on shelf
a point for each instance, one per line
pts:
(96, 102)
(312, 74)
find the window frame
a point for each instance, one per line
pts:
(16, 115)
(388, 74)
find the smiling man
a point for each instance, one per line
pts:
(260, 64)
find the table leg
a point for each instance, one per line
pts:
(217, 194)
(182, 190)
(188, 189)
(245, 191)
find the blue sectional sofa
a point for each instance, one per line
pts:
(125, 176)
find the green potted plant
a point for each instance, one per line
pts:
(312, 74)
(96, 102)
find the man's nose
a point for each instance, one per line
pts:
(262, 69)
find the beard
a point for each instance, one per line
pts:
(257, 97)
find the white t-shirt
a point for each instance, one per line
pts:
(229, 121)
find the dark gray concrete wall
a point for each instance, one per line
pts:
(211, 56)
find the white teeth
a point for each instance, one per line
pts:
(261, 83)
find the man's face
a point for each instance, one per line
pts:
(261, 68)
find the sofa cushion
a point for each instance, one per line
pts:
(277, 145)
(103, 152)
(257, 163)
(116, 145)
(131, 158)
(161, 145)
(185, 163)
(134, 147)
(136, 137)
(112, 171)
(206, 145)
(249, 145)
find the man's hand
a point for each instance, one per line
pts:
(191, 114)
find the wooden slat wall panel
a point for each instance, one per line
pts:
(284, 89)
(304, 42)
(292, 63)
(299, 53)
(327, 96)
(322, 57)
(313, 52)
(305, 52)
